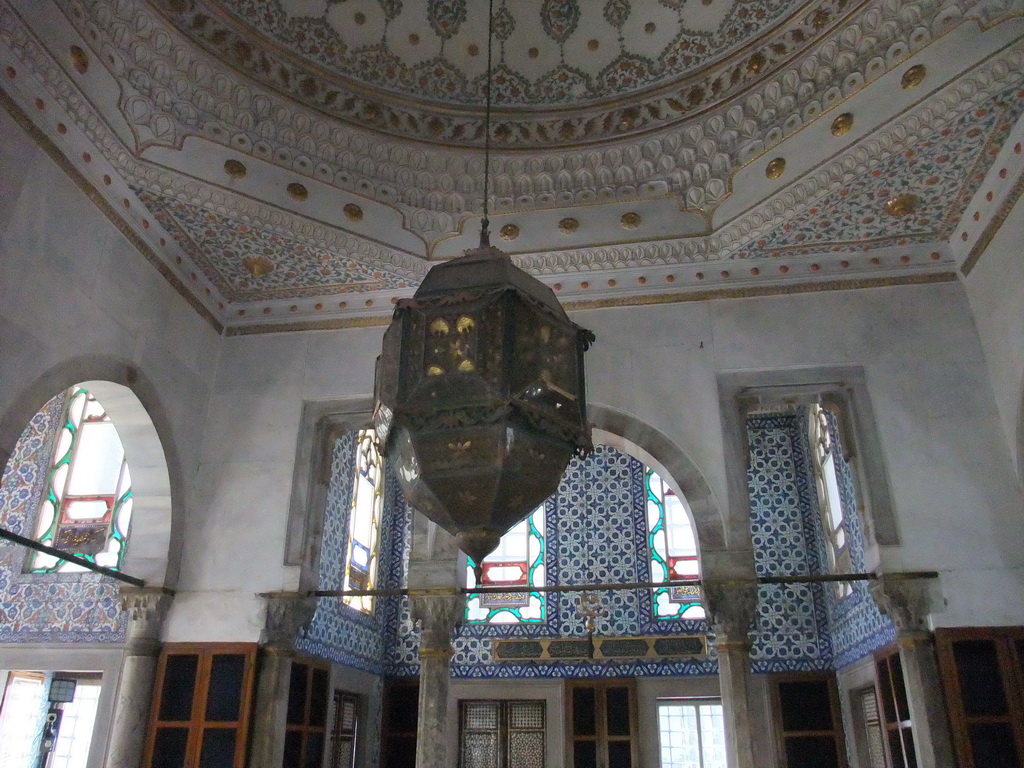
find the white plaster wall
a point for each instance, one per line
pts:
(72, 288)
(235, 546)
(997, 297)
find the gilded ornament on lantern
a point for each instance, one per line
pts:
(439, 327)
(913, 77)
(775, 168)
(842, 124)
(464, 324)
(902, 205)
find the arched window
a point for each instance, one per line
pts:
(517, 562)
(86, 504)
(673, 549)
(833, 517)
(364, 520)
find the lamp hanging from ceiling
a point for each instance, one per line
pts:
(480, 395)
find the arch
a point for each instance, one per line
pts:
(131, 400)
(628, 434)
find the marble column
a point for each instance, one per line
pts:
(439, 616)
(731, 606)
(908, 603)
(288, 613)
(146, 608)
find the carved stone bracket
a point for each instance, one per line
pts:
(146, 608)
(439, 616)
(288, 615)
(906, 601)
(731, 605)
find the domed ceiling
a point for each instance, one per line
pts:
(302, 163)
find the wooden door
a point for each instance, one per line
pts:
(602, 724)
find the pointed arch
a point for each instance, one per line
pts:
(134, 407)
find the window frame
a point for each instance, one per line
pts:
(48, 526)
(507, 608)
(370, 477)
(833, 514)
(660, 553)
(688, 701)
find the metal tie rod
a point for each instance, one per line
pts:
(61, 554)
(807, 578)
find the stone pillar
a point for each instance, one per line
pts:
(438, 615)
(908, 603)
(146, 608)
(288, 613)
(731, 605)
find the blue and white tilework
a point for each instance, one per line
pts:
(37, 607)
(803, 627)
(791, 630)
(596, 531)
(339, 632)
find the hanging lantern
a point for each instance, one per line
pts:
(480, 396)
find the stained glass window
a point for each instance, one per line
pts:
(673, 548)
(518, 561)
(86, 506)
(364, 520)
(833, 518)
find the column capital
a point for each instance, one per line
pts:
(288, 615)
(731, 605)
(146, 608)
(439, 616)
(907, 602)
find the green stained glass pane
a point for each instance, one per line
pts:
(86, 507)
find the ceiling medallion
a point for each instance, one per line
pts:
(842, 124)
(79, 60)
(509, 232)
(568, 225)
(298, 191)
(258, 266)
(902, 205)
(775, 168)
(234, 169)
(913, 77)
(353, 212)
(631, 220)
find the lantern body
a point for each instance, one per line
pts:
(480, 396)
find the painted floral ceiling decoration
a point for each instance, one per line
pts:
(548, 52)
(298, 163)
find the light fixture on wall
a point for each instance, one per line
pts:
(480, 397)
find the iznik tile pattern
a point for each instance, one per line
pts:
(46, 608)
(596, 531)
(338, 631)
(792, 632)
(220, 244)
(944, 171)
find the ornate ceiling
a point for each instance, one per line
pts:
(301, 163)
